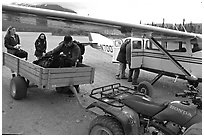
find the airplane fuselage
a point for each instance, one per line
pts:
(147, 56)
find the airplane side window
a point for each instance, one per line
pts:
(176, 47)
(150, 46)
(137, 44)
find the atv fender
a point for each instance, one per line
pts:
(126, 116)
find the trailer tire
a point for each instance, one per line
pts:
(145, 88)
(105, 125)
(18, 87)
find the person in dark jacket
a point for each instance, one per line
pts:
(133, 72)
(122, 61)
(40, 46)
(12, 43)
(71, 52)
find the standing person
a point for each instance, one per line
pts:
(12, 43)
(71, 52)
(132, 71)
(122, 61)
(40, 46)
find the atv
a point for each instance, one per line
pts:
(130, 112)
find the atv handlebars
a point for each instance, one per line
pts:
(192, 93)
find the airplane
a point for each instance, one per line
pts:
(153, 49)
(150, 58)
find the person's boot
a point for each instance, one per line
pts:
(135, 77)
(130, 75)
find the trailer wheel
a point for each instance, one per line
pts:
(105, 125)
(18, 87)
(145, 88)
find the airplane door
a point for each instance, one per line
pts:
(116, 49)
(137, 52)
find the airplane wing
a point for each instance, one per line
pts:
(91, 24)
(68, 21)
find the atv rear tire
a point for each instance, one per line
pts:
(105, 125)
(145, 88)
(18, 87)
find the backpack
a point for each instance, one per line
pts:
(81, 46)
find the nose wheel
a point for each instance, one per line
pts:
(145, 88)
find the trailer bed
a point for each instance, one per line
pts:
(49, 77)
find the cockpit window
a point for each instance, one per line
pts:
(137, 44)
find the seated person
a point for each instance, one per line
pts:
(12, 43)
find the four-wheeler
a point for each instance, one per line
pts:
(127, 111)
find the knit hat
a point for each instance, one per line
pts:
(67, 38)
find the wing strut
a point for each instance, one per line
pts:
(188, 75)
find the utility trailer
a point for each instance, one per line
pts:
(46, 78)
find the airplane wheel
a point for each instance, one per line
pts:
(105, 125)
(145, 88)
(18, 87)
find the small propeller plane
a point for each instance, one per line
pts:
(163, 51)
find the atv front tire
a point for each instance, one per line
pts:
(105, 125)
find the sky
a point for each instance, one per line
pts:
(134, 11)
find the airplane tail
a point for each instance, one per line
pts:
(100, 39)
(107, 45)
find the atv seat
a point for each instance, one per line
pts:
(143, 105)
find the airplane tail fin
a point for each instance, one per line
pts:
(98, 39)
